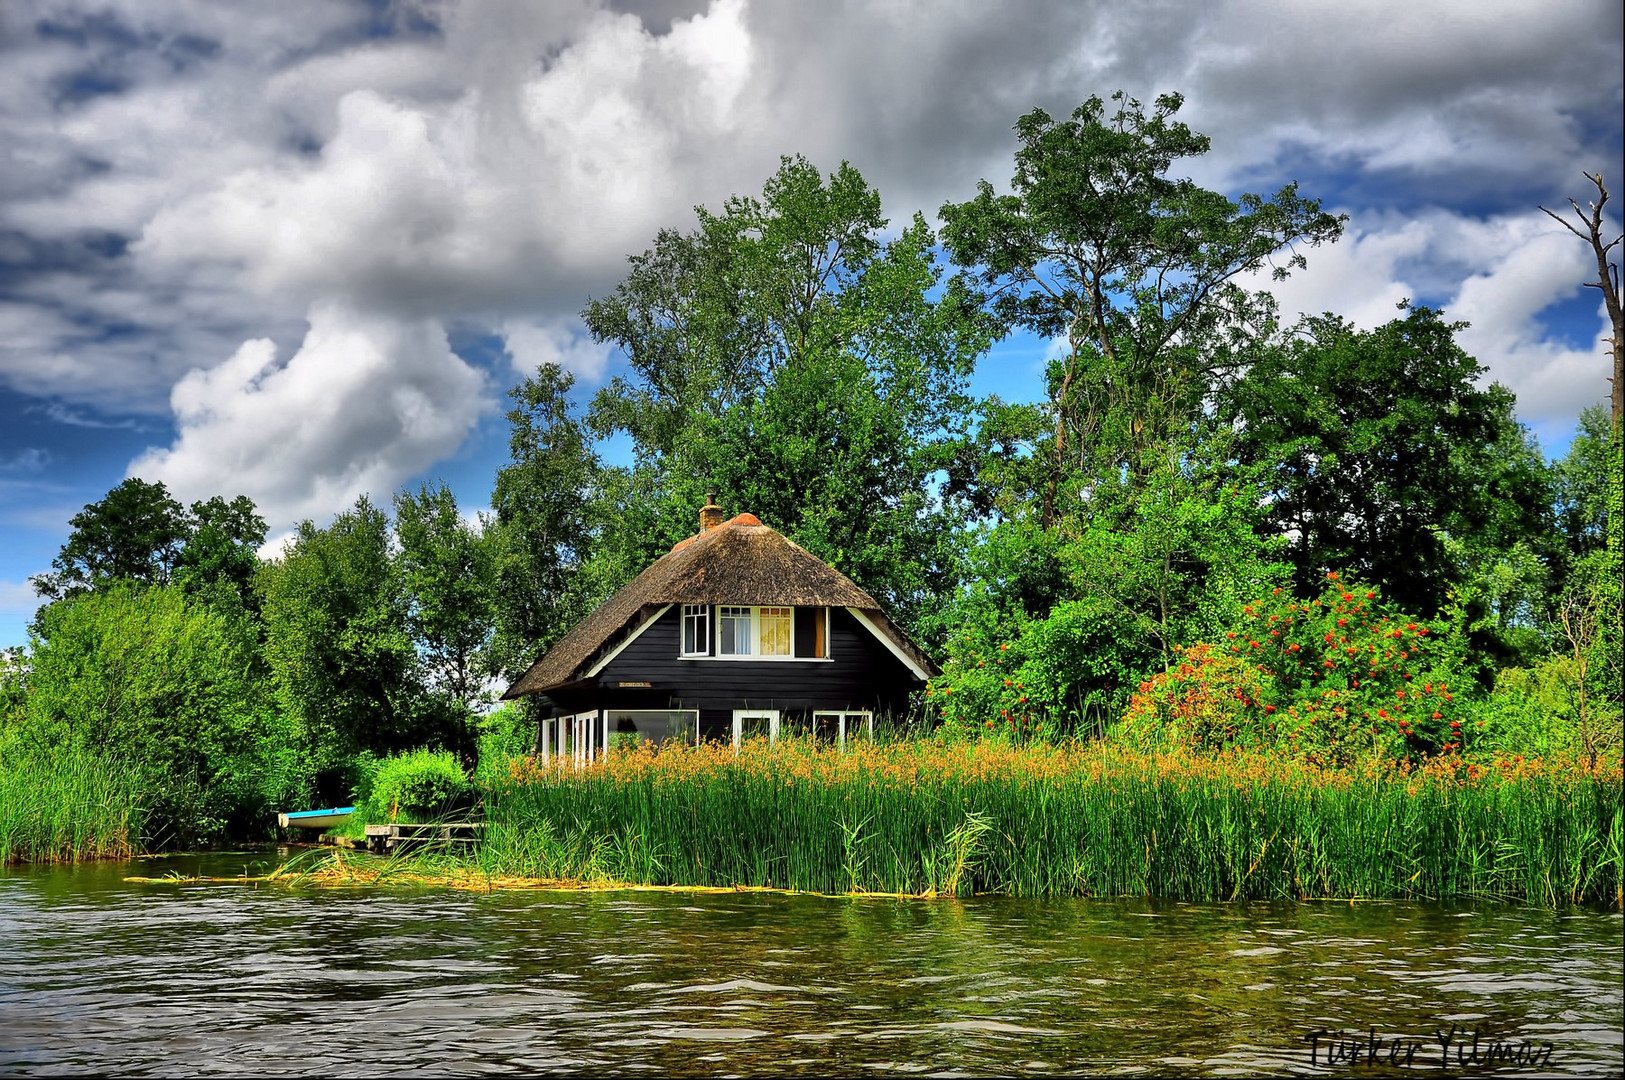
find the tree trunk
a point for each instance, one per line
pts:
(1607, 281)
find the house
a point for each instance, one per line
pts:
(735, 632)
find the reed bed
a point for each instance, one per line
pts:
(68, 808)
(923, 818)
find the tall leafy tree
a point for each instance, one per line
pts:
(809, 370)
(448, 571)
(1097, 244)
(134, 533)
(222, 546)
(1380, 446)
(139, 533)
(1583, 482)
(338, 638)
(544, 502)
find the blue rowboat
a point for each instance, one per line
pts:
(314, 819)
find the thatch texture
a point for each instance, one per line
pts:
(739, 562)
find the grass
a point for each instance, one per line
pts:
(922, 818)
(68, 808)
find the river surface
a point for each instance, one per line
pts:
(102, 975)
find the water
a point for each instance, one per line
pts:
(99, 974)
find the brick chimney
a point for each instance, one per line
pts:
(710, 514)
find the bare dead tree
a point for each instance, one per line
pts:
(1607, 280)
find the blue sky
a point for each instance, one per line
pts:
(300, 251)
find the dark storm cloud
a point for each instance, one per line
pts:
(203, 209)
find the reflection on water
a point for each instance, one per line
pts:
(100, 974)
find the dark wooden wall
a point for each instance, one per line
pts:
(861, 674)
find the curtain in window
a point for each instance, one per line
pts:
(775, 631)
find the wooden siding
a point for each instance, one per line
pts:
(860, 675)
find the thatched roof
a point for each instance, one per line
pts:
(740, 561)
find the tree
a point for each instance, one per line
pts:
(1376, 443)
(1583, 484)
(448, 571)
(544, 500)
(162, 683)
(135, 533)
(1136, 269)
(1607, 281)
(139, 533)
(810, 371)
(222, 546)
(339, 642)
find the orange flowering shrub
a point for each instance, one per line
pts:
(1333, 678)
(1209, 701)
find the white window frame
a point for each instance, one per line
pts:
(844, 715)
(731, 612)
(772, 716)
(585, 730)
(700, 613)
(789, 610)
(693, 713)
(756, 636)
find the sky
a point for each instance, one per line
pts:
(301, 250)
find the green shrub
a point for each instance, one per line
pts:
(150, 680)
(416, 785)
(504, 735)
(1045, 677)
(1535, 712)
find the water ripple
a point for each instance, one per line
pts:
(102, 975)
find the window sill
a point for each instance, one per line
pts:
(767, 659)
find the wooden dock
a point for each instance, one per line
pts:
(445, 836)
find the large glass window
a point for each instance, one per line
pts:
(696, 629)
(628, 727)
(773, 625)
(733, 631)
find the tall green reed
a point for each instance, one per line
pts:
(67, 808)
(925, 818)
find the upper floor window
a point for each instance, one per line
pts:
(696, 629)
(769, 632)
(773, 631)
(733, 631)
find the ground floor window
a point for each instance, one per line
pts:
(579, 738)
(831, 726)
(628, 727)
(843, 726)
(755, 724)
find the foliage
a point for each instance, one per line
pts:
(338, 638)
(1583, 487)
(138, 532)
(789, 357)
(1097, 243)
(418, 785)
(544, 528)
(1531, 712)
(448, 574)
(1340, 677)
(927, 817)
(1078, 621)
(156, 682)
(222, 547)
(506, 733)
(1066, 671)
(1380, 443)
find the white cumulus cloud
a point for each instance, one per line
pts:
(1497, 274)
(365, 403)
